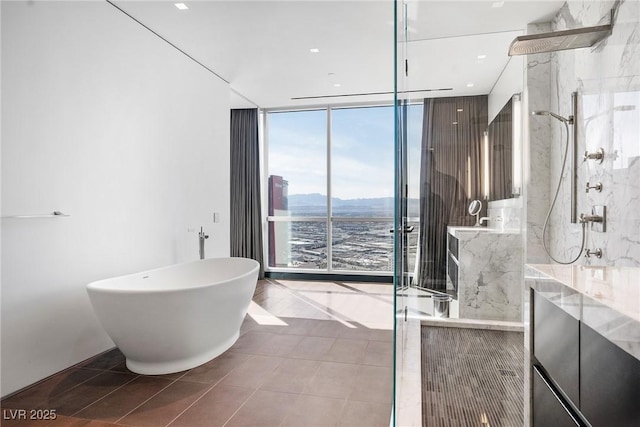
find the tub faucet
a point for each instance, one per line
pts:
(201, 238)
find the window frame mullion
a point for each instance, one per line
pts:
(329, 198)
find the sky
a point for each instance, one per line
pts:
(362, 151)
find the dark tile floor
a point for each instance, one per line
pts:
(323, 368)
(472, 377)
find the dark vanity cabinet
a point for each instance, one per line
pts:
(556, 345)
(579, 377)
(549, 408)
(609, 382)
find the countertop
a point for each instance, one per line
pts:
(607, 299)
(615, 287)
(471, 230)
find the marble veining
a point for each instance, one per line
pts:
(607, 78)
(489, 274)
(607, 299)
(537, 142)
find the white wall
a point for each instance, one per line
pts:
(510, 82)
(106, 122)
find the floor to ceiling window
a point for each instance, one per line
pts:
(329, 179)
(296, 159)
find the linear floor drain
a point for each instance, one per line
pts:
(507, 373)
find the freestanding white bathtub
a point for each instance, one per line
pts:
(175, 318)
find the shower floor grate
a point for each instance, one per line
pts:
(472, 377)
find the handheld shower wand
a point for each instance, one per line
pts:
(568, 121)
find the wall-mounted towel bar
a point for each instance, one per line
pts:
(55, 214)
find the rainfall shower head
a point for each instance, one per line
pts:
(554, 115)
(560, 40)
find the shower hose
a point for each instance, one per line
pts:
(553, 204)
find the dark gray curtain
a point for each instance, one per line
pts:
(500, 154)
(450, 177)
(246, 222)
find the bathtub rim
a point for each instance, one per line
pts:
(95, 285)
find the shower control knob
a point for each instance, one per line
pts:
(597, 253)
(598, 155)
(597, 187)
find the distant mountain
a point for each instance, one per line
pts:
(313, 201)
(317, 199)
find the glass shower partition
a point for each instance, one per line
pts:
(408, 130)
(439, 170)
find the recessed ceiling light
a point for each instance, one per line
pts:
(470, 84)
(460, 110)
(337, 85)
(314, 50)
(497, 4)
(454, 123)
(482, 56)
(181, 6)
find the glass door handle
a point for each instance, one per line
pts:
(405, 229)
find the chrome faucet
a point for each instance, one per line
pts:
(585, 218)
(597, 253)
(201, 238)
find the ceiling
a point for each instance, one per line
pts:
(262, 48)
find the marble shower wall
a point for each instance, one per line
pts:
(607, 79)
(537, 146)
(505, 214)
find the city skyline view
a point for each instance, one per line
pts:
(365, 244)
(348, 152)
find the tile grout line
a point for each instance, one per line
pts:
(254, 392)
(355, 292)
(108, 394)
(203, 394)
(344, 407)
(78, 366)
(37, 384)
(151, 397)
(251, 395)
(173, 382)
(326, 310)
(79, 384)
(313, 377)
(240, 407)
(376, 296)
(363, 363)
(257, 330)
(344, 404)
(297, 293)
(303, 393)
(194, 402)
